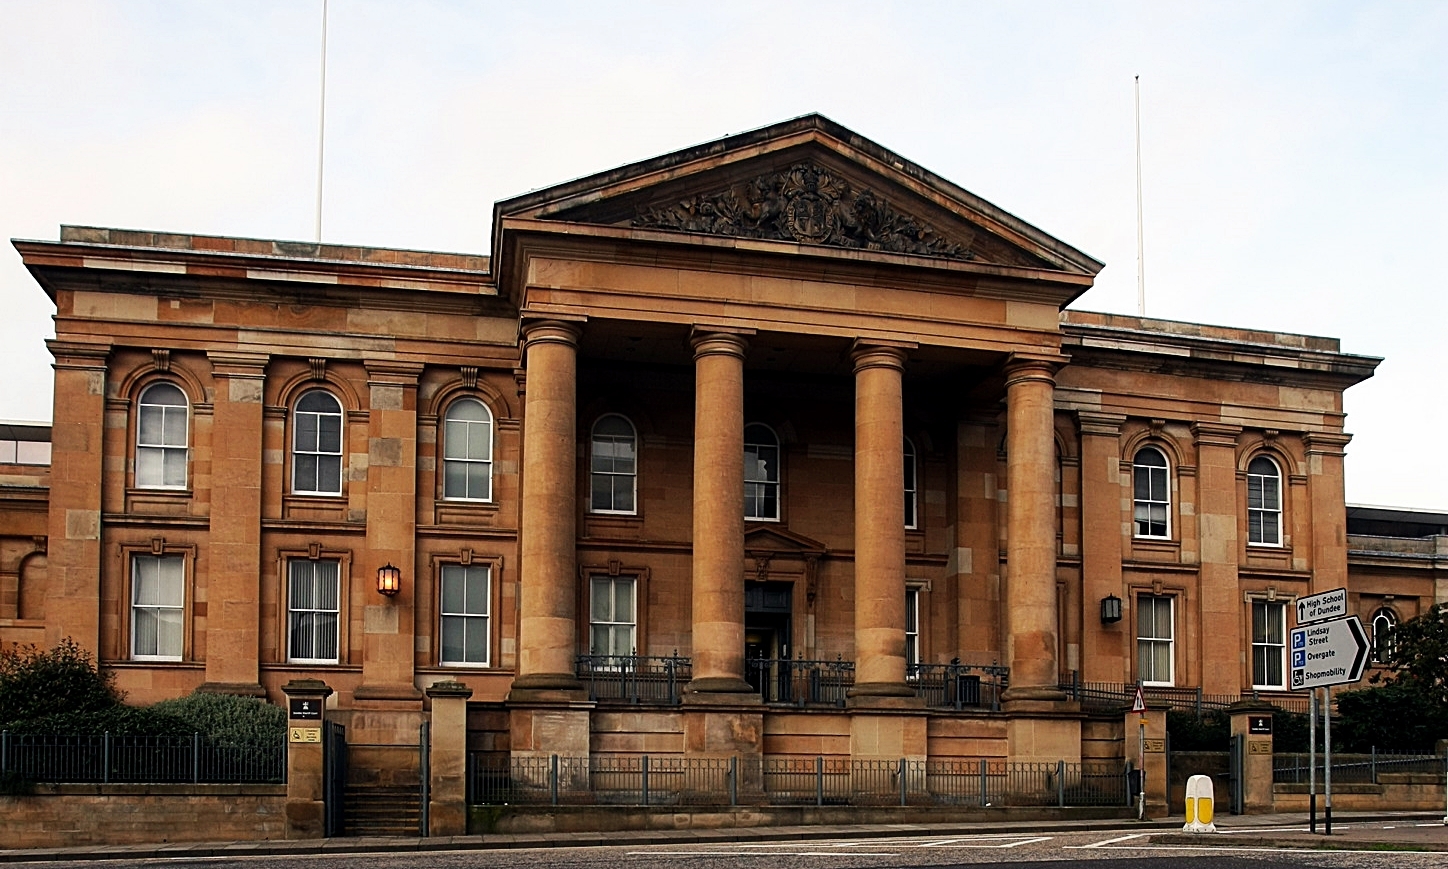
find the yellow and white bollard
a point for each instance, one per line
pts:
(1200, 798)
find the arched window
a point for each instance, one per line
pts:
(761, 473)
(1151, 493)
(161, 438)
(467, 444)
(317, 445)
(1264, 502)
(1384, 620)
(912, 502)
(613, 466)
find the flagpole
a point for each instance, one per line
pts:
(1140, 247)
(322, 122)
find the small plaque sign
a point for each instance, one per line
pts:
(305, 734)
(1259, 723)
(305, 708)
(1259, 746)
(1156, 746)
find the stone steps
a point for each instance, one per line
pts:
(382, 811)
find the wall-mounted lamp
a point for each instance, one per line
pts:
(389, 580)
(1110, 609)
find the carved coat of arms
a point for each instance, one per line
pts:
(809, 204)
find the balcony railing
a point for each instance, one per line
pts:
(637, 679)
(959, 686)
(801, 682)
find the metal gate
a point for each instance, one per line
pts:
(334, 777)
(1237, 777)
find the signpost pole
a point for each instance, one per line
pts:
(1327, 758)
(1312, 764)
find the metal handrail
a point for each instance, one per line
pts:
(959, 686)
(801, 682)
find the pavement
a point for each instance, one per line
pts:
(1352, 831)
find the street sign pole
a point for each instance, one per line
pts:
(1327, 758)
(1312, 764)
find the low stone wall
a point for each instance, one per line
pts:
(1394, 791)
(59, 815)
(583, 819)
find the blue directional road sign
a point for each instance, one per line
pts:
(1328, 653)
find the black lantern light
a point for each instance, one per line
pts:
(389, 580)
(1110, 609)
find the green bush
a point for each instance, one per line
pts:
(65, 679)
(1212, 733)
(225, 719)
(1290, 731)
(1398, 716)
(118, 720)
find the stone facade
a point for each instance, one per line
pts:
(782, 397)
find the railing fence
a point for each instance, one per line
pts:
(106, 758)
(1292, 768)
(1111, 695)
(645, 780)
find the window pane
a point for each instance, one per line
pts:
(453, 640)
(601, 601)
(305, 473)
(623, 606)
(329, 473)
(329, 434)
(455, 480)
(174, 467)
(455, 440)
(1163, 620)
(145, 625)
(623, 494)
(478, 597)
(480, 480)
(1143, 485)
(174, 425)
(453, 589)
(149, 426)
(1270, 497)
(476, 647)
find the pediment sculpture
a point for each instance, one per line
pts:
(809, 204)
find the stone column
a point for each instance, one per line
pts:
(1104, 647)
(1220, 509)
(72, 606)
(548, 568)
(879, 523)
(388, 623)
(233, 651)
(718, 534)
(1030, 605)
(305, 806)
(1326, 492)
(447, 764)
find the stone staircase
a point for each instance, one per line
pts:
(375, 810)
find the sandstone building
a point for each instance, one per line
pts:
(776, 445)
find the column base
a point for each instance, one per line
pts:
(880, 689)
(547, 688)
(1042, 693)
(729, 686)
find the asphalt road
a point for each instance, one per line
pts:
(1103, 849)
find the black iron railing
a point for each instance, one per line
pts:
(801, 682)
(1111, 695)
(105, 758)
(959, 686)
(636, 679)
(1356, 768)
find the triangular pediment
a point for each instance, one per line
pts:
(780, 541)
(808, 182)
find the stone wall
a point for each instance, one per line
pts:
(61, 815)
(1404, 792)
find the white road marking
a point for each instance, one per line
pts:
(762, 854)
(1106, 842)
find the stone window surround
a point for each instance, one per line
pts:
(158, 547)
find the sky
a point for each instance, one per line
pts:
(1294, 154)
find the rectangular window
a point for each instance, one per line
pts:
(1154, 638)
(158, 597)
(1269, 646)
(466, 596)
(313, 594)
(912, 627)
(611, 615)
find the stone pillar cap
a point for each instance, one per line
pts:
(448, 688)
(307, 686)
